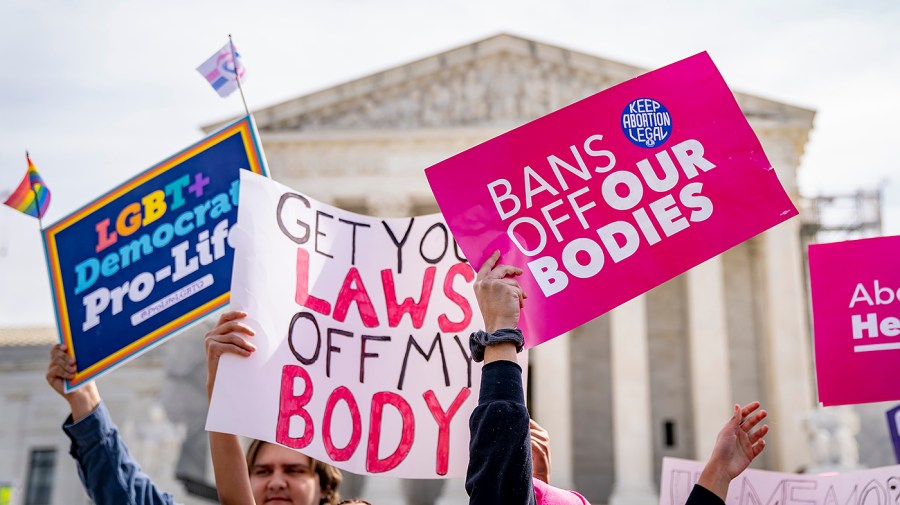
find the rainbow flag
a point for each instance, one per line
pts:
(31, 196)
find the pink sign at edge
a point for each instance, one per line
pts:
(853, 370)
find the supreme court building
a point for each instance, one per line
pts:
(655, 377)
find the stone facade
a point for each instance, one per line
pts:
(34, 413)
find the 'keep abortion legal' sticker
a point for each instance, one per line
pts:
(646, 122)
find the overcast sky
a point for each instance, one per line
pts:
(101, 90)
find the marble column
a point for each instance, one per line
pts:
(552, 409)
(787, 347)
(708, 348)
(632, 438)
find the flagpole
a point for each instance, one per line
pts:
(37, 208)
(37, 203)
(237, 74)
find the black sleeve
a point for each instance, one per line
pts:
(499, 470)
(702, 496)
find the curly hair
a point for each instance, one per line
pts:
(329, 476)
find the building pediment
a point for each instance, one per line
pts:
(502, 80)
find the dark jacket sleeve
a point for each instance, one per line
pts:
(109, 474)
(702, 496)
(499, 470)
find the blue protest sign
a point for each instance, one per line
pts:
(151, 256)
(893, 419)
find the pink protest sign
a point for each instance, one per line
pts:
(856, 316)
(613, 195)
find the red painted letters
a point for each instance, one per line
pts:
(292, 405)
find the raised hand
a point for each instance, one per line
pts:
(540, 452)
(498, 293)
(736, 447)
(83, 400)
(229, 336)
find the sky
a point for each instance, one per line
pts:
(101, 90)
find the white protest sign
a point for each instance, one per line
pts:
(876, 486)
(362, 331)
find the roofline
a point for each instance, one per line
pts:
(494, 44)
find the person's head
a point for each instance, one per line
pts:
(354, 501)
(279, 475)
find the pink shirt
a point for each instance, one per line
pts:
(546, 494)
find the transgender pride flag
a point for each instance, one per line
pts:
(219, 70)
(32, 196)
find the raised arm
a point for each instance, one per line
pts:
(229, 465)
(736, 447)
(108, 472)
(82, 401)
(540, 453)
(499, 469)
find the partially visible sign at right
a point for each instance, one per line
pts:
(893, 419)
(856, 312)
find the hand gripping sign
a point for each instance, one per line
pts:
(151, 256)
(856, 316)
(362, 330)
(611, 196)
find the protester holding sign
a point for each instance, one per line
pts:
(360, 331)
(110, 475)
(500, 459)
(108, 472)
(275, 472)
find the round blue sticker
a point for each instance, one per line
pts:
(646, 123)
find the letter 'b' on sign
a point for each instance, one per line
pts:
(292, 405)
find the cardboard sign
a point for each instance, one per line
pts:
(856, 316)
(151, 256)
(611, 196)
(893, 419)
(362, 329)
(759, 487)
